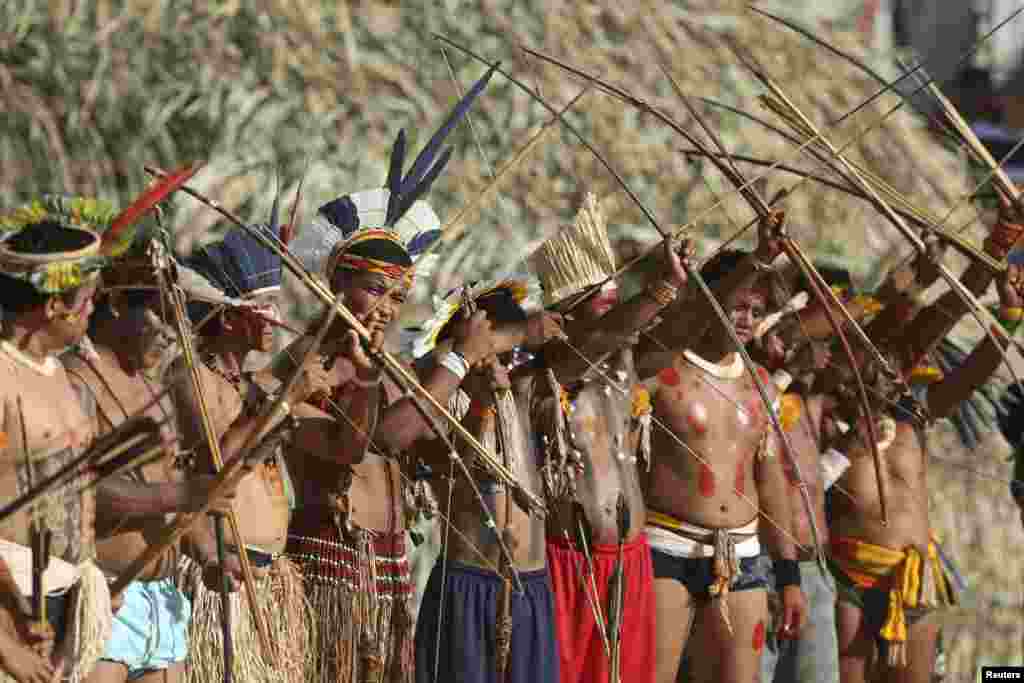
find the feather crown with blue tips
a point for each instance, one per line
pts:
(239, 265)
(386, 229)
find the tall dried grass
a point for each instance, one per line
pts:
(89, 92)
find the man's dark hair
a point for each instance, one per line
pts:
(501, 308)
(48, 237)
(723, 263)
(105, 306)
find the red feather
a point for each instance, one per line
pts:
(146, 201)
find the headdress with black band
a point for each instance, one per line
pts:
(384, 230)
(82, 221)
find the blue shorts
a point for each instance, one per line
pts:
(460, 623)
(150, 631)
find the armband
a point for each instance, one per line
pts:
(787, 573)
(782, 380)
(833, 465)
(456, 363)
(662, 292)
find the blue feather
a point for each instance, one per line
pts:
(422, 241)
(405, 191)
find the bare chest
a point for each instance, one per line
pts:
(699, 406)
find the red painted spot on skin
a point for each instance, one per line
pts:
(759, 636)
(696, 425)
(706, 482)
(740, 484)
(669, 377)
(763, 374)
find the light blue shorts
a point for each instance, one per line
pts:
(150, 631)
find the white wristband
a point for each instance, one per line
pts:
(782, 380)
(833, 464)
(456, 364)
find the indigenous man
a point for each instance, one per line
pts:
(122, 376)
(714, 475)
(49, 263)
(891, 576)
(245, 270)
(593, 416)
(348, 534)
(474, 625)
(815, 655)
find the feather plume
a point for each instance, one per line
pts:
(118, 238)
(405, 191)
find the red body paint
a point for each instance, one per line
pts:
(697, 419)
(696, 426)
(759, 636)
(669, 377)
(706, 482)
(763, 374)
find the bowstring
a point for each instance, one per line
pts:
(668, 430)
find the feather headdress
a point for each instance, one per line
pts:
(522, 294)
(386, 229)
(577, 257)
(235, 269)
(82, 219)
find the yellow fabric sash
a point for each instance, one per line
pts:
(913, 581)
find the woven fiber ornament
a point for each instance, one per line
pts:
(577, 257)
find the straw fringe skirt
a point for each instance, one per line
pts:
(88, 625)
(285, 612)
(360, 591)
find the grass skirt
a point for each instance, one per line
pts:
(360, 590)
(88, 623)
(285, 612)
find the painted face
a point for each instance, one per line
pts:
(73, 322)
(372, 297)
(746, 308)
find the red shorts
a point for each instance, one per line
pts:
(580, 647)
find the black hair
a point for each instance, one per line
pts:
(108, 303)
(46, 237)
(381, 250)
(723, 263)
(501, 308)
(49, 237)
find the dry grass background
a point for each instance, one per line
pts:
(89, 91)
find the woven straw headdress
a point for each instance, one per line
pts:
(579, 256)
